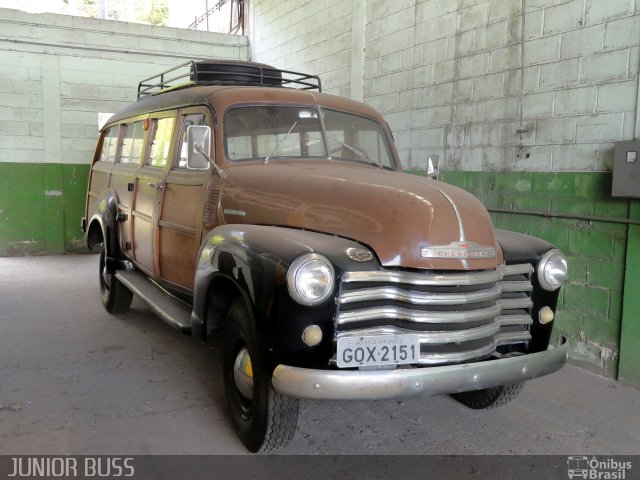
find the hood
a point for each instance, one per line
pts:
(408, 221)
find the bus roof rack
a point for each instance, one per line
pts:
(225, 72)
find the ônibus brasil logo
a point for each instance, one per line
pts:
(597, 469)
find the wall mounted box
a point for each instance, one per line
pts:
(626, 169)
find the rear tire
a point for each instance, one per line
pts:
(264, 420)
(116, 298)
(489, 397)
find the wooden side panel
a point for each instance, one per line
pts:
(146, 197)
(91, 204)
(179, 233)
(178, 250)
(121, 177)
(100, 177)
(143, 241)
(98, 182)
(147, 200)
(182, 204)
(120, 181)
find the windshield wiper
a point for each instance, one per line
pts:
(363, 156)
(266, 159)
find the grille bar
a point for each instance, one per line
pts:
(433, 279)
(417, 316)
(514, 319)
(506, 338)
(419, 298)
(514, 303)
(433, 338)
(439, 279)
(520, 269)
(516, 286)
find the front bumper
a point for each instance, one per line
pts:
(402, 383)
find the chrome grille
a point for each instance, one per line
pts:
(458, 316)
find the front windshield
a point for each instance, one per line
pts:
(266, 132)
(355, 138)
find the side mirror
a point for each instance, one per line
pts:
(432, 167)
(198, 141)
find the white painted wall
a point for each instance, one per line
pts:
(461, 78)
(57, 72)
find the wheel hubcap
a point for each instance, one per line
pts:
(243, 374)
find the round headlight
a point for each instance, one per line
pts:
(310, 279)
(552, 270)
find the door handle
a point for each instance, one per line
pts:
(157, 186)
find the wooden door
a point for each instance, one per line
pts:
(149, 190)
(123, 175)
(185, 204)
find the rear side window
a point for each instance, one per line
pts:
(161, 134)
(109, 145)
(132, 143)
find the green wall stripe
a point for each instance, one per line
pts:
(40, 208)
(629, 371)
(599, 255)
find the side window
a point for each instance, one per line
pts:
(109, 144)
(187, 121)
(132, 143)
(161, 133)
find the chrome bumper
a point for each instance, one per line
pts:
(402, 383)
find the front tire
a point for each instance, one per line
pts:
(489, 397)
(264, 420)
(116, 298)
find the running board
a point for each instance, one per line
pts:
(171, 309)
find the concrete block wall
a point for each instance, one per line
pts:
(496, 87)
(57, 72)
(318, 38)
(508, 85)
(521, 99)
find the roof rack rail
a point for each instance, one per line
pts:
(225, 72)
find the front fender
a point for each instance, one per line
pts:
(521, 248)
(256, 259)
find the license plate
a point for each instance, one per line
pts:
(364, 351)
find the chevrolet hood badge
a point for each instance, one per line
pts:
(462, 250)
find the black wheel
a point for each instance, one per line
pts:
(264, 419)
(489, 397)
(116, 298)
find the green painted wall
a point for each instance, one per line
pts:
(41, 205)
(590, 307)
(629, 371)
(58, 73)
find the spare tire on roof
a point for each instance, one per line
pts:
(235, 72)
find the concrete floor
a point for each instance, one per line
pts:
(76, 380)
